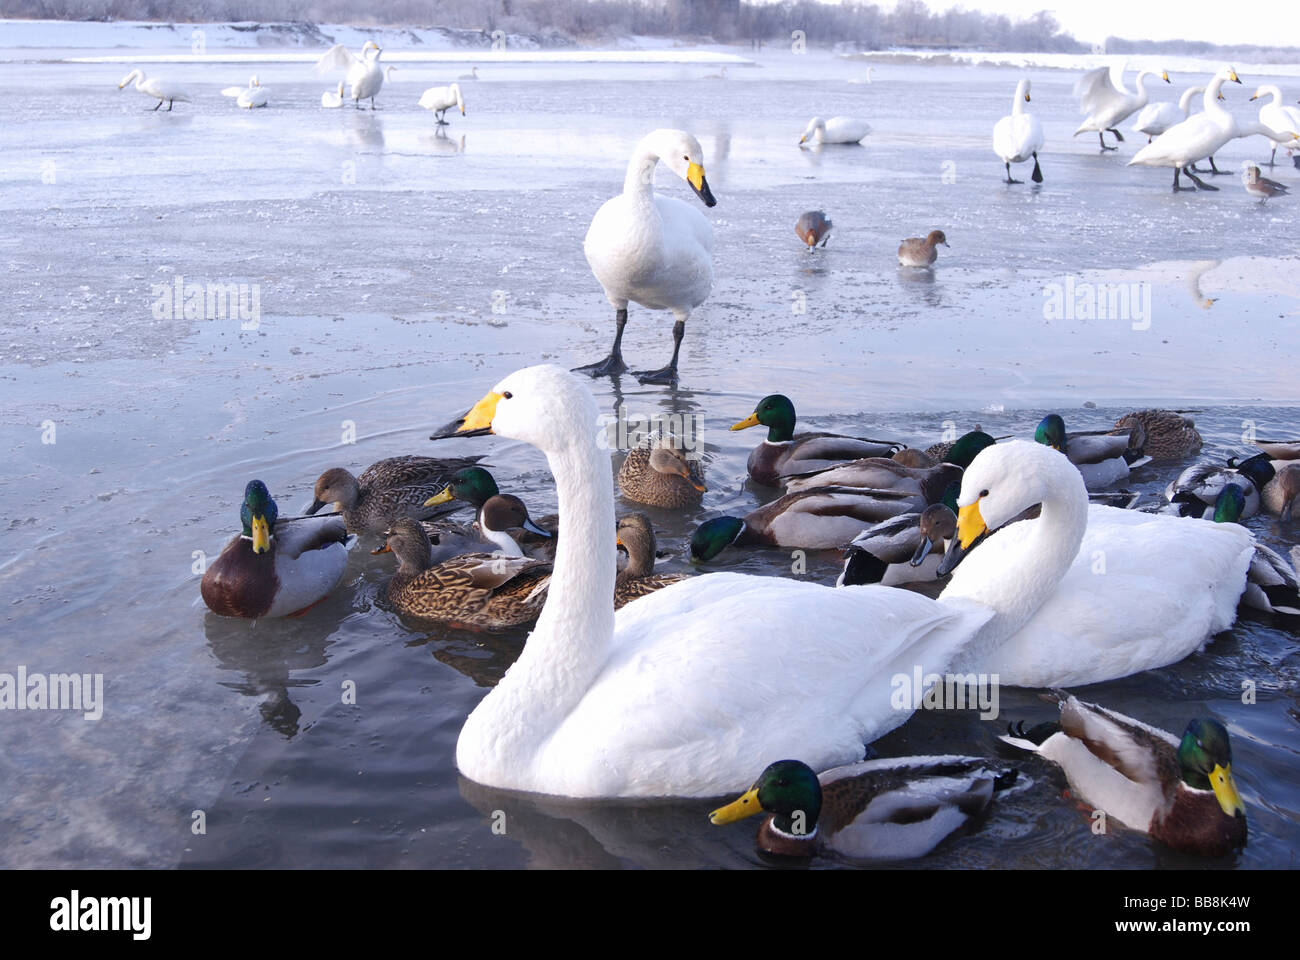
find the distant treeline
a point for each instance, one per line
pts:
(863, 25)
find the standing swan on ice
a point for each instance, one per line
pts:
(160, 90)
(652, 249)
(1020, 136)
(365, 76)
(1277, 115)
(442, 99)
(1108, 103)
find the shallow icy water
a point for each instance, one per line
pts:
(380, 251)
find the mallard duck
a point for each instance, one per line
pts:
(476, 486)
(1271, 583)
(1181, 792)
(906, 549)
(1102, 459)
(962, 450)
(475, 589)
(813, 228)
(1168, 435)
(1278, 482)
(649, 248)
(823, 518)
(783, 454)
(1280, 449)
(921, 251)
(1028, 605)
(1195, 492)
(274, 568)
(881, 474)
(896, 809)
(385, 491)
(636, 535)
(914, 458)
(659, 474)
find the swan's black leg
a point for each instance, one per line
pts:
(612, 364)
(170, 104)
(156, 108)
(1102, 139)
(1216, 172)
(1200, 184)
(1119, 137)
(1038, 173)
(669, 373)
(1272, 157)
(1009, 180)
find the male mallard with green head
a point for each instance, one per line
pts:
(636, 535)
(385, 491)
(783, 454)
(274, 568)
(475, 486)
(476, 589)
(1102, 459)
(658, 473)
(895, 809)
(1181, 792)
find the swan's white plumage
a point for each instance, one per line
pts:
(1103, 96)
(1155, 118)
(648, 248)
(835, 130)
(364, 74)
(250, 97)
(155, 87)
(443, 98)
(1019, 136)
(332, 98)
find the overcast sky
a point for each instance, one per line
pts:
(1265, 22)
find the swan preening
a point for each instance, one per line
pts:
(332, 98)
(652, 249)
(1104, 98)
(364, 74)
(156, 88)
(835, 130)
(1201, 135)
(1019, 137)
(250, 97)
(689, 690)
(442, 99)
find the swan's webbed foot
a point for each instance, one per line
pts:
(1178, 187)
(666, 375)
(1009, 178)
(1038, 173)
(609, 367)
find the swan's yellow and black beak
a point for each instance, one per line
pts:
(971, 529)
(476, 423)
(1027, 100)
(1232, 75)
(1164, 75)
(695, 177)
(745, 806)
(1225, 791)
(261, 534)
(749, 421)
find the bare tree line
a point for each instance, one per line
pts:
(864, 25)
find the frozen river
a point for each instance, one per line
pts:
(400, 273)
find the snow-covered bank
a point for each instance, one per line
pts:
(1070, 61)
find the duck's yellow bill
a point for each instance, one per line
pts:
(1225, 790)
(749, 421)
(481, 414)
(441, 497)
(970, 525)
(261, 535)
(746, 806)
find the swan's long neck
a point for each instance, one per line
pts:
(1018, 105)
(1185, 101)
(1142, 95)
(1210, 100)
(1272, 91)
(639, 183)
(571, 641)
(1021, 582)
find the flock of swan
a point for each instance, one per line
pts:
(363, 76)
(693, 686)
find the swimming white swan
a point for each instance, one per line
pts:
(250, 97)
(1020, 136)
(682, 692)
(1278, 116)
(364, 74)
(472, 75)
(678, 692)
(652, 249)
(1155, 118)
(331, 98)
(1201, 135)
(1083, 593)
(1104, 98)
(158, 89)
(442, 99)
(835, 130)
